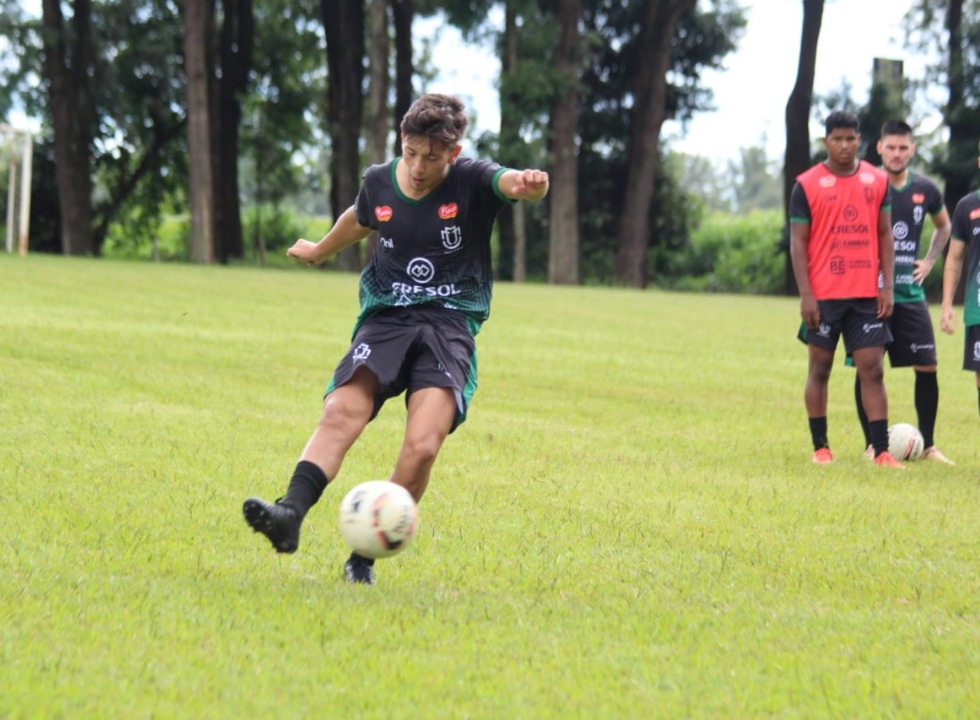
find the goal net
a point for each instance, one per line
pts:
(16, 148)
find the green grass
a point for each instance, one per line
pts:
(627, 526)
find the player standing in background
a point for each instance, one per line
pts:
(424, 296)
(840, 239)
(965, 239)
(914, 342)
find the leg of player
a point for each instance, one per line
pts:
(874, 398)
(927, 407)
(431, 412)
(869, 450)
(815, 396)
(346, 412)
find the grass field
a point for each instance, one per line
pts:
(628, 526)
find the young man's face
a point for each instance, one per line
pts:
(896, 152)
(842, 145)
(427, 161)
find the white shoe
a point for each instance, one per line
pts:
(934, 453)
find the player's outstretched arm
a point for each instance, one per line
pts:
(530, 185)
(344, 233)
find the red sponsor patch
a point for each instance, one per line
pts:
(918, 198)
(974, 214)
(448, 211)
(383, 213)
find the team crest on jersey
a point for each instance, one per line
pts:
(828, 181)
(383, 213)
(974, 214)
(452, 237)
(869, 195)
(918, 198)
(449, 211)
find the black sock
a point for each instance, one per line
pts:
(862, 416)
(879, 435)
(926, 404)
(818, 432)
(305, 487)
(361, 560)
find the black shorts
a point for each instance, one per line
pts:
(914, 341)
(856, 319)
(412, 348)
(971, 349)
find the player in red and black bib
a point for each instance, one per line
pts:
(424, 296)
(965, 243)
(840, 241)
(914, 197)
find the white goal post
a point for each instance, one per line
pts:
(16, 153)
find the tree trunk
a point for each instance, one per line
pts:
(198, 24)
(68, 61)
(962, 132)
(798, 122)
(511, 232)
(343, 21)
(564, 241)
(403, 13)
(378, 118)
(649, 90)
(236, 43)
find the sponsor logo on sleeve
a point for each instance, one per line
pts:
(383, 213)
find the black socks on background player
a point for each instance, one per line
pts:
(305, 487)
(878, 429)
(926, 404)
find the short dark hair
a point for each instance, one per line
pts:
(436, 117)
(896, 127)
(842, 119)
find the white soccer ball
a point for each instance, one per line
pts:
(905, 442)
(378, 518)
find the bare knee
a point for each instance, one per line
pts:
(420, 450)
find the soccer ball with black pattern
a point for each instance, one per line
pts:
(378, 518)
(905, 442)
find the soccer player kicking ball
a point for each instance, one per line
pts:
(965, 239)
(840, 239)
(424, 296)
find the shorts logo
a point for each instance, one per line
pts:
(361, 353)
(868, 327)
(915, 347)
(837, 265)
(383, 213)
(976, 351)
(900, 230)
(452, 237)
(421, 270)
(448, 212)
(824, 329)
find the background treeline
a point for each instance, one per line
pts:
(221, 130)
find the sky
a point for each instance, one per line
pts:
(750, 92)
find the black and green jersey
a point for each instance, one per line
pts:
(966, 229)
(432, 250)
(909, 207)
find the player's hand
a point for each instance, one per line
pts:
(531, 184)
(810, 312)
(886, 302)
(303, 250)
(921, 270)
(947, 320)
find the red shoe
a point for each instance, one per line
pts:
(823, 456)
(886, 460)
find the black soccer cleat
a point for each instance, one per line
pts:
(359, 570)
(278, 522)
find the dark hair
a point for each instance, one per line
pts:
(896, 127)
(842, 119)
(436, 117)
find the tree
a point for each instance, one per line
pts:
(563, 225)
(198, 25)
(69, 65)
(343, 21)
(798, 119)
